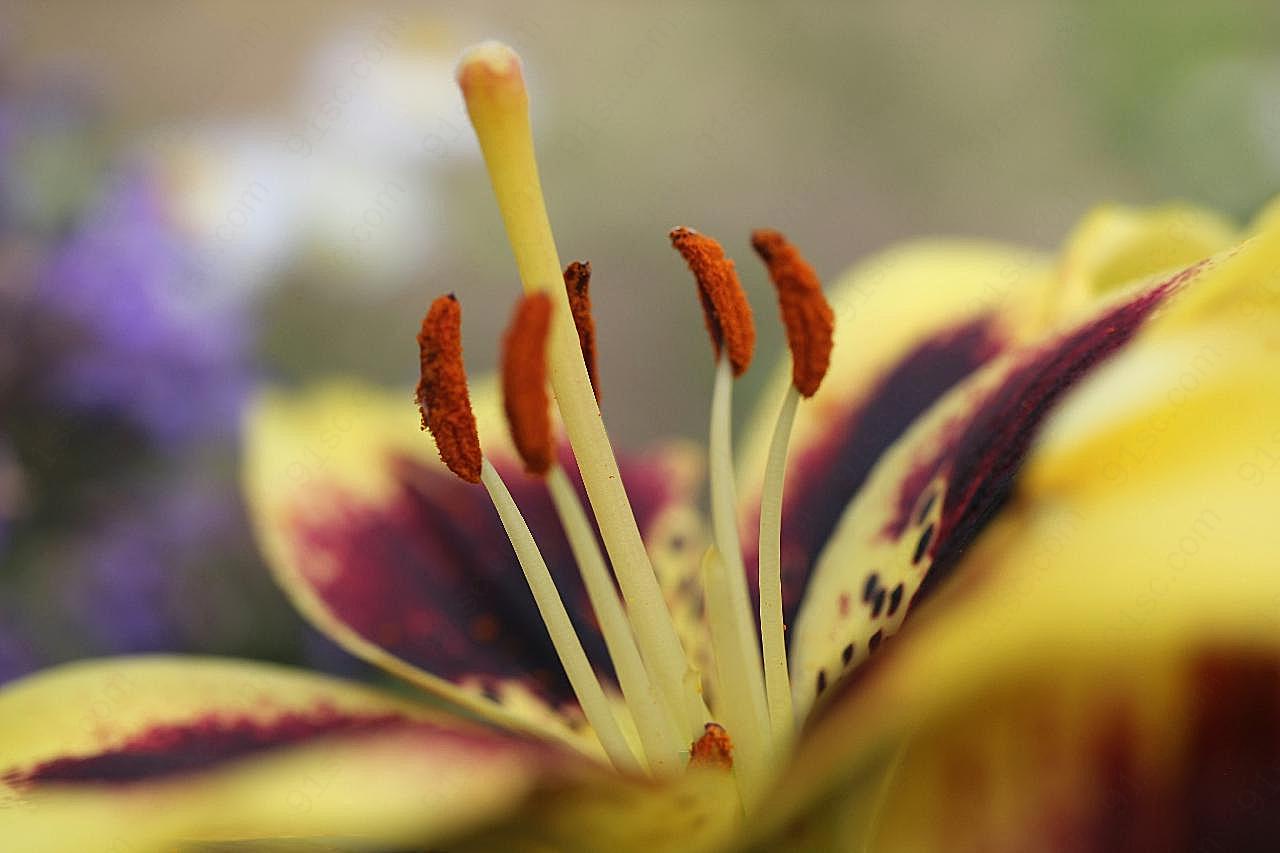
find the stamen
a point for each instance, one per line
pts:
(442, 389)
(713, 749)
(524, 382)
(728, 318)
(595, 705)
(735, 703)
(807, 316)
(577, 285)
(724, 305)
(493, 87)
(658, 735)
(809, 323)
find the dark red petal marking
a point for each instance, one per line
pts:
(430, 576)
(171, 749)
(1096, 788)
(1220, 789)
(824, 477)
(986, 451)
(1230, 794)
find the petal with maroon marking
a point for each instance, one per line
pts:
(142, 754)
(408, 567)
(916, 321)
(131, 753)
(1132, 750)
(1104, 671)
(910, 324)
(932, 493)
(936, 489)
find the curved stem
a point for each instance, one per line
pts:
(777, 682)
(739, 646)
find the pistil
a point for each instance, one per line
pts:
(497, 102)
(661, 688)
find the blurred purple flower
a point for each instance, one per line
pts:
(135, 581)
(15, 658)
(153, 343)
(8, 137)
(125, 357)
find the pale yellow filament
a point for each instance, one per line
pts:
(591, 696)
(777, 682)
(739, 644)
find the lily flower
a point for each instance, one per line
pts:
(994, 570)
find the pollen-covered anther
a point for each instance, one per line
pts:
(524, 381)
(442, 389)
(724, 305)
(806, 314)
(577, 283)
(713, 749)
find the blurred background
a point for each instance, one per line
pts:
(200, 198)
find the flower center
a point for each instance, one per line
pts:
(551, 339)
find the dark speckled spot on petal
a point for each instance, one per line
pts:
(961, 460)
(824, 477)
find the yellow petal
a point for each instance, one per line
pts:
(1115, 246)
(696, 813)
(130, 754)
(1245, 283)
(1267, 217)
(935, 489)
(1105, 667)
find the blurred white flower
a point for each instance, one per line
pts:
(343, 186)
